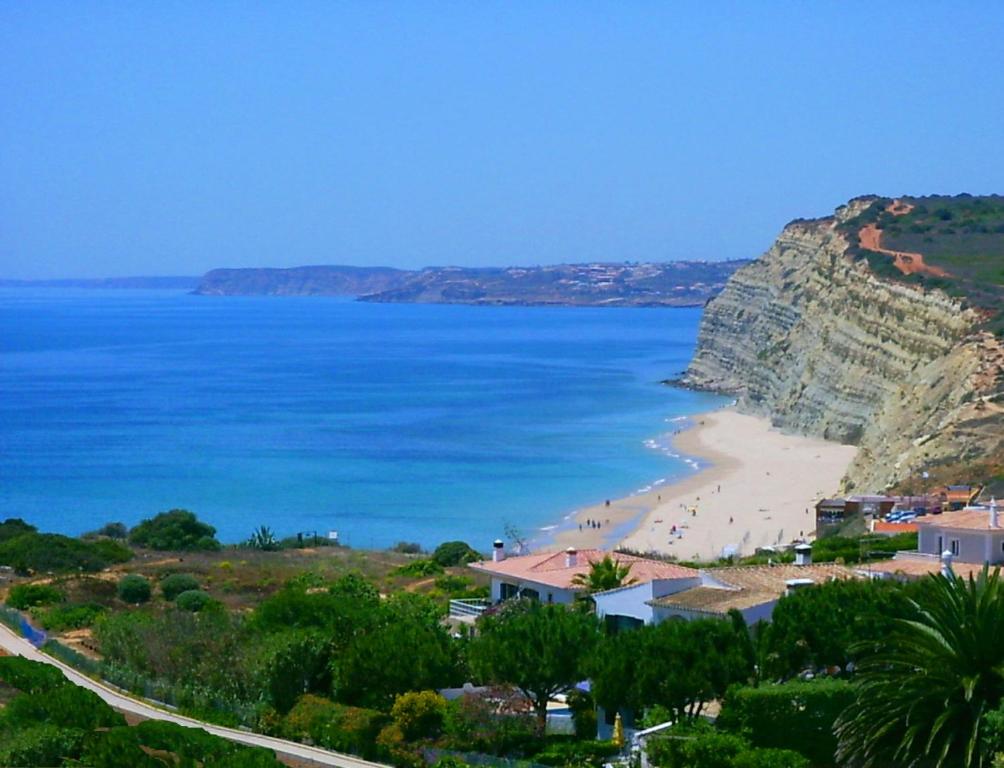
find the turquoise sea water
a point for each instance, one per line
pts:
(384, 422)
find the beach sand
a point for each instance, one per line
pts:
(756, 486)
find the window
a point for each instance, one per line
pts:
(941, 546)
(953, 544)
(507, 591)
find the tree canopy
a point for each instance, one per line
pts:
(177, 530)
(539, 649)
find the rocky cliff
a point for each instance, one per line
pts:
(810, 336)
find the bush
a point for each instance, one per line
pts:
(578, 753)
(421, 568)
(25, 596)
(419, 714)
(407, 548)
(134, 589)
(176, 530)
(67, 617)
(196, 746)
(66, 706)
(30, 676)
(193, 600)
(13, 527)
(796, 716)
(50, 552)
(487, 723)
(110, 531)
(451, 553)
(770, 758)
(583, 710)
(335, 726)
(40, 745)
(176, 583)
(696, 747)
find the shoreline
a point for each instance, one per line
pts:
(753, 486)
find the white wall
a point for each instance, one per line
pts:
(974, 546)
(632, 600)
(547, 594)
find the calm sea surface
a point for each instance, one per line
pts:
(384, 422)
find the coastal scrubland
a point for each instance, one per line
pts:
(347, 649)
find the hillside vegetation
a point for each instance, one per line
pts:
(961, 236)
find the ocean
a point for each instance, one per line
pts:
(383, 422)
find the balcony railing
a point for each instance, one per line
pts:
(460, 609)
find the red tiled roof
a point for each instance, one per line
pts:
(549, 567)
(881, 526)
(966, 519)
(916, 567)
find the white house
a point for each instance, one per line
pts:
(753, 590)
(963, 540)
(550, 577)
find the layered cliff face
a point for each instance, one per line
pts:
(814, 340)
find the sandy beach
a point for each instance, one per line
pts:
(755, 486)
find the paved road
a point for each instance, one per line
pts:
(18, 646)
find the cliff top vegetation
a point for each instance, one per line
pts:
(959, 241)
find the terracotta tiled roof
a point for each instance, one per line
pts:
(881, 526)
(916, 566)
(745, 586)
(549, 567)
(970, 519)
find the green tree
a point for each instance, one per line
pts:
(539, 649)
(679, 665)
(451, 553)
(923, 692)
(134, 589)
(818, 626)
(176, 530)
(405, 648)
(293, 663)
(604, 574)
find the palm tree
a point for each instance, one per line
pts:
(922, 694)
(604, 574)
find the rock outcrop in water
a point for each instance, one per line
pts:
(809, 336)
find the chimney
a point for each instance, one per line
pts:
(498, 551)
(993, 512)
(571, 557)
(946, 564)
(803, 554)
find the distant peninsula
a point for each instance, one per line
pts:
(663, 284)
(161, 283)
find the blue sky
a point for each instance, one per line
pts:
(171, 138)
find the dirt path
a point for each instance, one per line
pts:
(906, 262)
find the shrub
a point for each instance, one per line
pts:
(66, 617)
(40, 745)
(176, 583)
(134, 589)
(176, 530)
(495, 722)
(407, 548)
(110, 531)
(67, 706)
(770, 758)
(579, 753)
(696, 747)
(451, 553)
(335, 726)
(796, 716)
(583, 714)
(419, 714)
(25, 596)
(421, 568)
(193, 600)
(13, 527)
(30, 676)
(50, 552)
